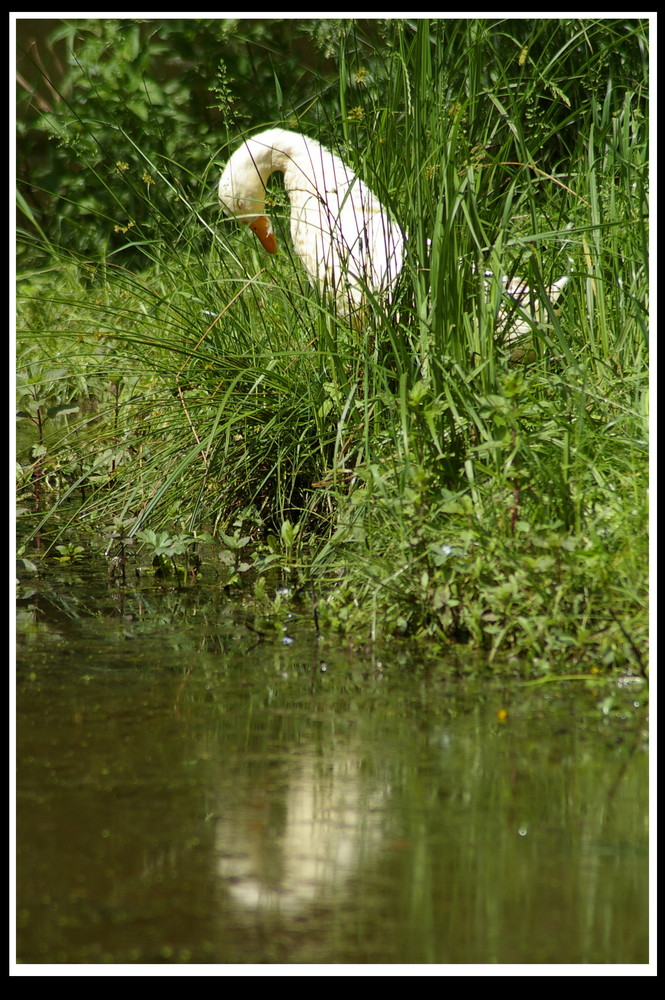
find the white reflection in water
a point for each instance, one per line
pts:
(284, 848)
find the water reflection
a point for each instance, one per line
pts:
(285, 845)
(184, 800)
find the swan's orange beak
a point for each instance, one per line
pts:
(261, 227)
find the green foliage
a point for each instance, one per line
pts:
(451, 573)
(118, 139)
(425, 476)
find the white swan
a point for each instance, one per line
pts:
(343, 235)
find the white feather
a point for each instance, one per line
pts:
(510, 318)
(342, 233)
(340, 230)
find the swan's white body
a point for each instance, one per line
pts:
(343, 235)
(510, 319)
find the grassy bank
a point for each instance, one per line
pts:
(422, 477)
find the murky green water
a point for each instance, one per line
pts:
(187, 794)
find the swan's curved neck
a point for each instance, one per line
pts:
(292, 155)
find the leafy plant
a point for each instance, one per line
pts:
(424, 475)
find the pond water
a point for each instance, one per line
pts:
(189, 792)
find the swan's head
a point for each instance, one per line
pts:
(242, 192)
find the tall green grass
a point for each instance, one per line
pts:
(466, 489)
